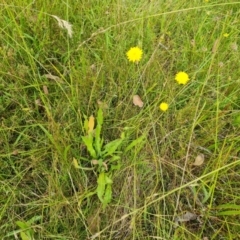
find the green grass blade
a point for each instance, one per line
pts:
(136, 142)
(228, 206)
(229, 213)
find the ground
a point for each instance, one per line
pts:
(163, 159)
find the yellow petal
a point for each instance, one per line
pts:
(163, 106)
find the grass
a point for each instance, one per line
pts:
(50, 83)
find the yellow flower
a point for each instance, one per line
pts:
(226, 35)
(134, 54)
(182, 78)
(163, 106)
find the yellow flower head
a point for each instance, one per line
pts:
(134, 54)
(226, 35)
(182, 78)
(163, 106)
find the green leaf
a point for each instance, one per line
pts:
(23, 225)
(98, 140)
(25, 236)
(108, 180)
(207, 194)
(88, 141)
(116, 167)
(114, 158)
(114, 162)
(85, 125)
(27, 233)
(108, 195)
(137, 141)
(104, 189)
(111, 147)
(228, 213)
(101, 186)
(100, 117)
(228, 206)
